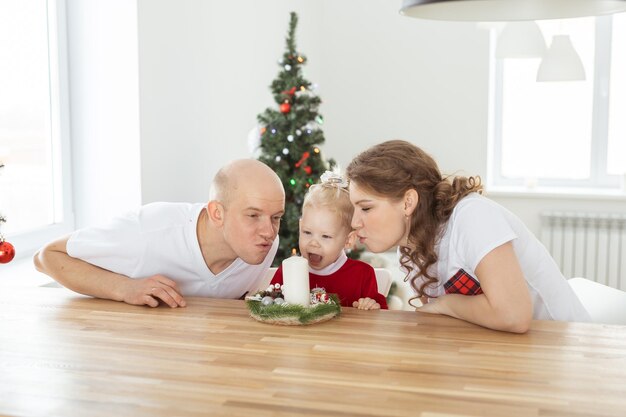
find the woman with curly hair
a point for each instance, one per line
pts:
(465, 255)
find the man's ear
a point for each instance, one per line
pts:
(215, 209)
(411, 198)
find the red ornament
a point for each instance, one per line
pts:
(307, 169)
(285, 108)
(290, 92)
(305, 156)
(7, 252)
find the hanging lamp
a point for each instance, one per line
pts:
(520, 40)
(508, 10)
(561, 62)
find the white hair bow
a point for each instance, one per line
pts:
(334, 179)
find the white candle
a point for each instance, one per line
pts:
(296, 281)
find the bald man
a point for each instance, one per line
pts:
(166, 251)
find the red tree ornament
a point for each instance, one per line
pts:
(285, 108)
(7, 252)
(308, 170)
(290, 92)
(305, 156)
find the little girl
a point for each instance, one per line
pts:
(325, 232)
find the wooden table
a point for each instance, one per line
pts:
(62, 354)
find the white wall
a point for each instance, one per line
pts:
(205, 68)
(204, 73)
(104, 120)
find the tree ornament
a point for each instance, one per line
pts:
(285, 108)
(308, 170)
(278, 158)
(290, 138)
(254, 141)
(305, 156)
(298, 132)
(7, 251)
(290, 92)
(287, 67)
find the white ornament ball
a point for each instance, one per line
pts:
(287, 67)
(290, 138)
(254, 141)
(279, 301)
(298, 132)
(267, 301)
(278, 158)
(285, 151)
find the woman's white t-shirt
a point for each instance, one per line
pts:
(160, 238)
(476, 227)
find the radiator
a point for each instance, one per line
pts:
(589, 245)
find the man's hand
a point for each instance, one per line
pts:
(148, 291)
(366, 304)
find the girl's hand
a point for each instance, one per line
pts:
(366, 304)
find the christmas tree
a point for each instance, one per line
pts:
(290, 135)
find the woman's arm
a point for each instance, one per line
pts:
(505, 303)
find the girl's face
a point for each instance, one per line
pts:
(380, 223)
(322, 236)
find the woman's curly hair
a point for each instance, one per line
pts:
(391, 168)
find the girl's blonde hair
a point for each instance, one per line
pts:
(331, 193)
(391, 168)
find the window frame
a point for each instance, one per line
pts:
(27, 243)
(599, 180)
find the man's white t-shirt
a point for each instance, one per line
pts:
(476, 227)
(160, 238)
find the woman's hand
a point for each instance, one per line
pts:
(432, 306)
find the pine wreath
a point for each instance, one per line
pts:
(323, 307)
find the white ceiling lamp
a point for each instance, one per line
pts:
(561, 62)
(520, 40)
(508, 10)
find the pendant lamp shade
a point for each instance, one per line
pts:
(508, 10)
(520, 40)
(561, 62)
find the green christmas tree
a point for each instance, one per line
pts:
(290, 136)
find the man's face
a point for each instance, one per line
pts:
(251, 222)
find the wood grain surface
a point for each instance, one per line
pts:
(62, 354)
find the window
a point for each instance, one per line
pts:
(566, 134)
(34, 144)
